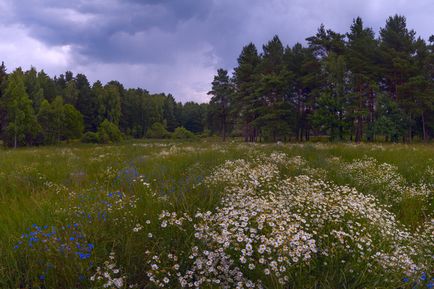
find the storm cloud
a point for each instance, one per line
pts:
(174, 46)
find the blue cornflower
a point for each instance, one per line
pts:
(83, 256)
(42, 277)
(405, 280)
(33, 239)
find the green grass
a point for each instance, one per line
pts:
(47, 185)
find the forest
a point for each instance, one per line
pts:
(346, 87)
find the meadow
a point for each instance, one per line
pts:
(217, 215)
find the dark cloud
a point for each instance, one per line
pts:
(176, 45)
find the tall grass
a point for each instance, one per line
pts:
(82, 203)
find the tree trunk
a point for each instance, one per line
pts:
(246, 132)
(425, 137)
(410, 132)
(359, 128)
(371, 113)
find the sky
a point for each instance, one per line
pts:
(174, 46)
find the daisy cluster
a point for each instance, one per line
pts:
(269, 226)
(109, 275)
(368, 173)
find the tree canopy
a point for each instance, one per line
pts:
(353, 86)
(350, 86)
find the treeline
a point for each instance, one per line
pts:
(350, 86)
(36, 109)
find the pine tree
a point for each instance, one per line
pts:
(33, 88)
(169, 113)
(87, 103)
(71, 93)
(360, 57)
(274, 111)
(329, 48)
(3, 75)
(221, 101)
(397, 45)
(3, 83)
(416, 95)
(48, 85)
(245, 100)
(330, 106)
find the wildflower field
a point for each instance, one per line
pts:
(213, 215)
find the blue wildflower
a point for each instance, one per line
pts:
(33, 240)
(83, 256)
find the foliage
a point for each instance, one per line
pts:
(182, 133)
(157, 130)
(90, 137)
(334, 86)
(51, 117)
(108, 132)
(221, 101)
(356, 86)
(21, 126)
(73, 123)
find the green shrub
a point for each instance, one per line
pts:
(182, 133)
(157, 130)
(90, 137)
(108, 132)
(73, 122)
